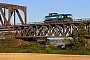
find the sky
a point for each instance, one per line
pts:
(38, 9)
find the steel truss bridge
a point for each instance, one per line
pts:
(55, 28)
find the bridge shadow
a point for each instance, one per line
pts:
(29, 39)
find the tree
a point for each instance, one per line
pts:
(79, 37)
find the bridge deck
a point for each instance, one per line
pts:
(30, 37)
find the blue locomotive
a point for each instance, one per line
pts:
(56, 16)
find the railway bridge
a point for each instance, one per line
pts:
(59, 29)
(55, 28)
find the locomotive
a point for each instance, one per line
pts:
(58, 17)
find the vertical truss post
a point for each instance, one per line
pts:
(14, 18)
(4, 14)
(25, 15)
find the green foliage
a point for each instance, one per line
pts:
(79, 37)
(44, 39)
(35, 48)
(66, 41)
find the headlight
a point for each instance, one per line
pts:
(62, 16)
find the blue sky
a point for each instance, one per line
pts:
(37, 9)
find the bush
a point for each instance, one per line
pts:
(79, 38)
(36, 48)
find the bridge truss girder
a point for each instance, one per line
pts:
(12, 10)
(45, 30)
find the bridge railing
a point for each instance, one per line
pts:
(41, 22)
(83, 19)
(19, 23)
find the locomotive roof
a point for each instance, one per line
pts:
(63, 14)
(58, 15)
